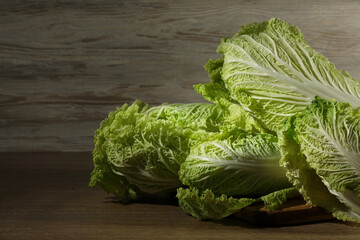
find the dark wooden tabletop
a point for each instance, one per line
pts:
(46, 196)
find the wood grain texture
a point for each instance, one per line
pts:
(45, 196)
(65, 64)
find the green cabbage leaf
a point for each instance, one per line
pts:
(206, 205)
(238, 163)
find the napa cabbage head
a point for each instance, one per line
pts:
(321, 150)
(269, 70)
(224, 175)
(139, 149)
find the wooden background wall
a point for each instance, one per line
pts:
(65, 64)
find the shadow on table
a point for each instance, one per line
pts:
(233, 221)
(158, 199)
(170, 199)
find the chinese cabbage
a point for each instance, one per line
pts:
(321, 151)
(269, 70)
(139, 149)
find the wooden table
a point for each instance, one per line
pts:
(46, 196)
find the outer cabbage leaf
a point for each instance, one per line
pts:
(195, 116)
(274, 200)
(206, 205)
(321, 151)
(239, 163)
(102, 175)
(216, 92)
(139, 149)
(270, 70)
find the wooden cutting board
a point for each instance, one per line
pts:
(293, 212)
